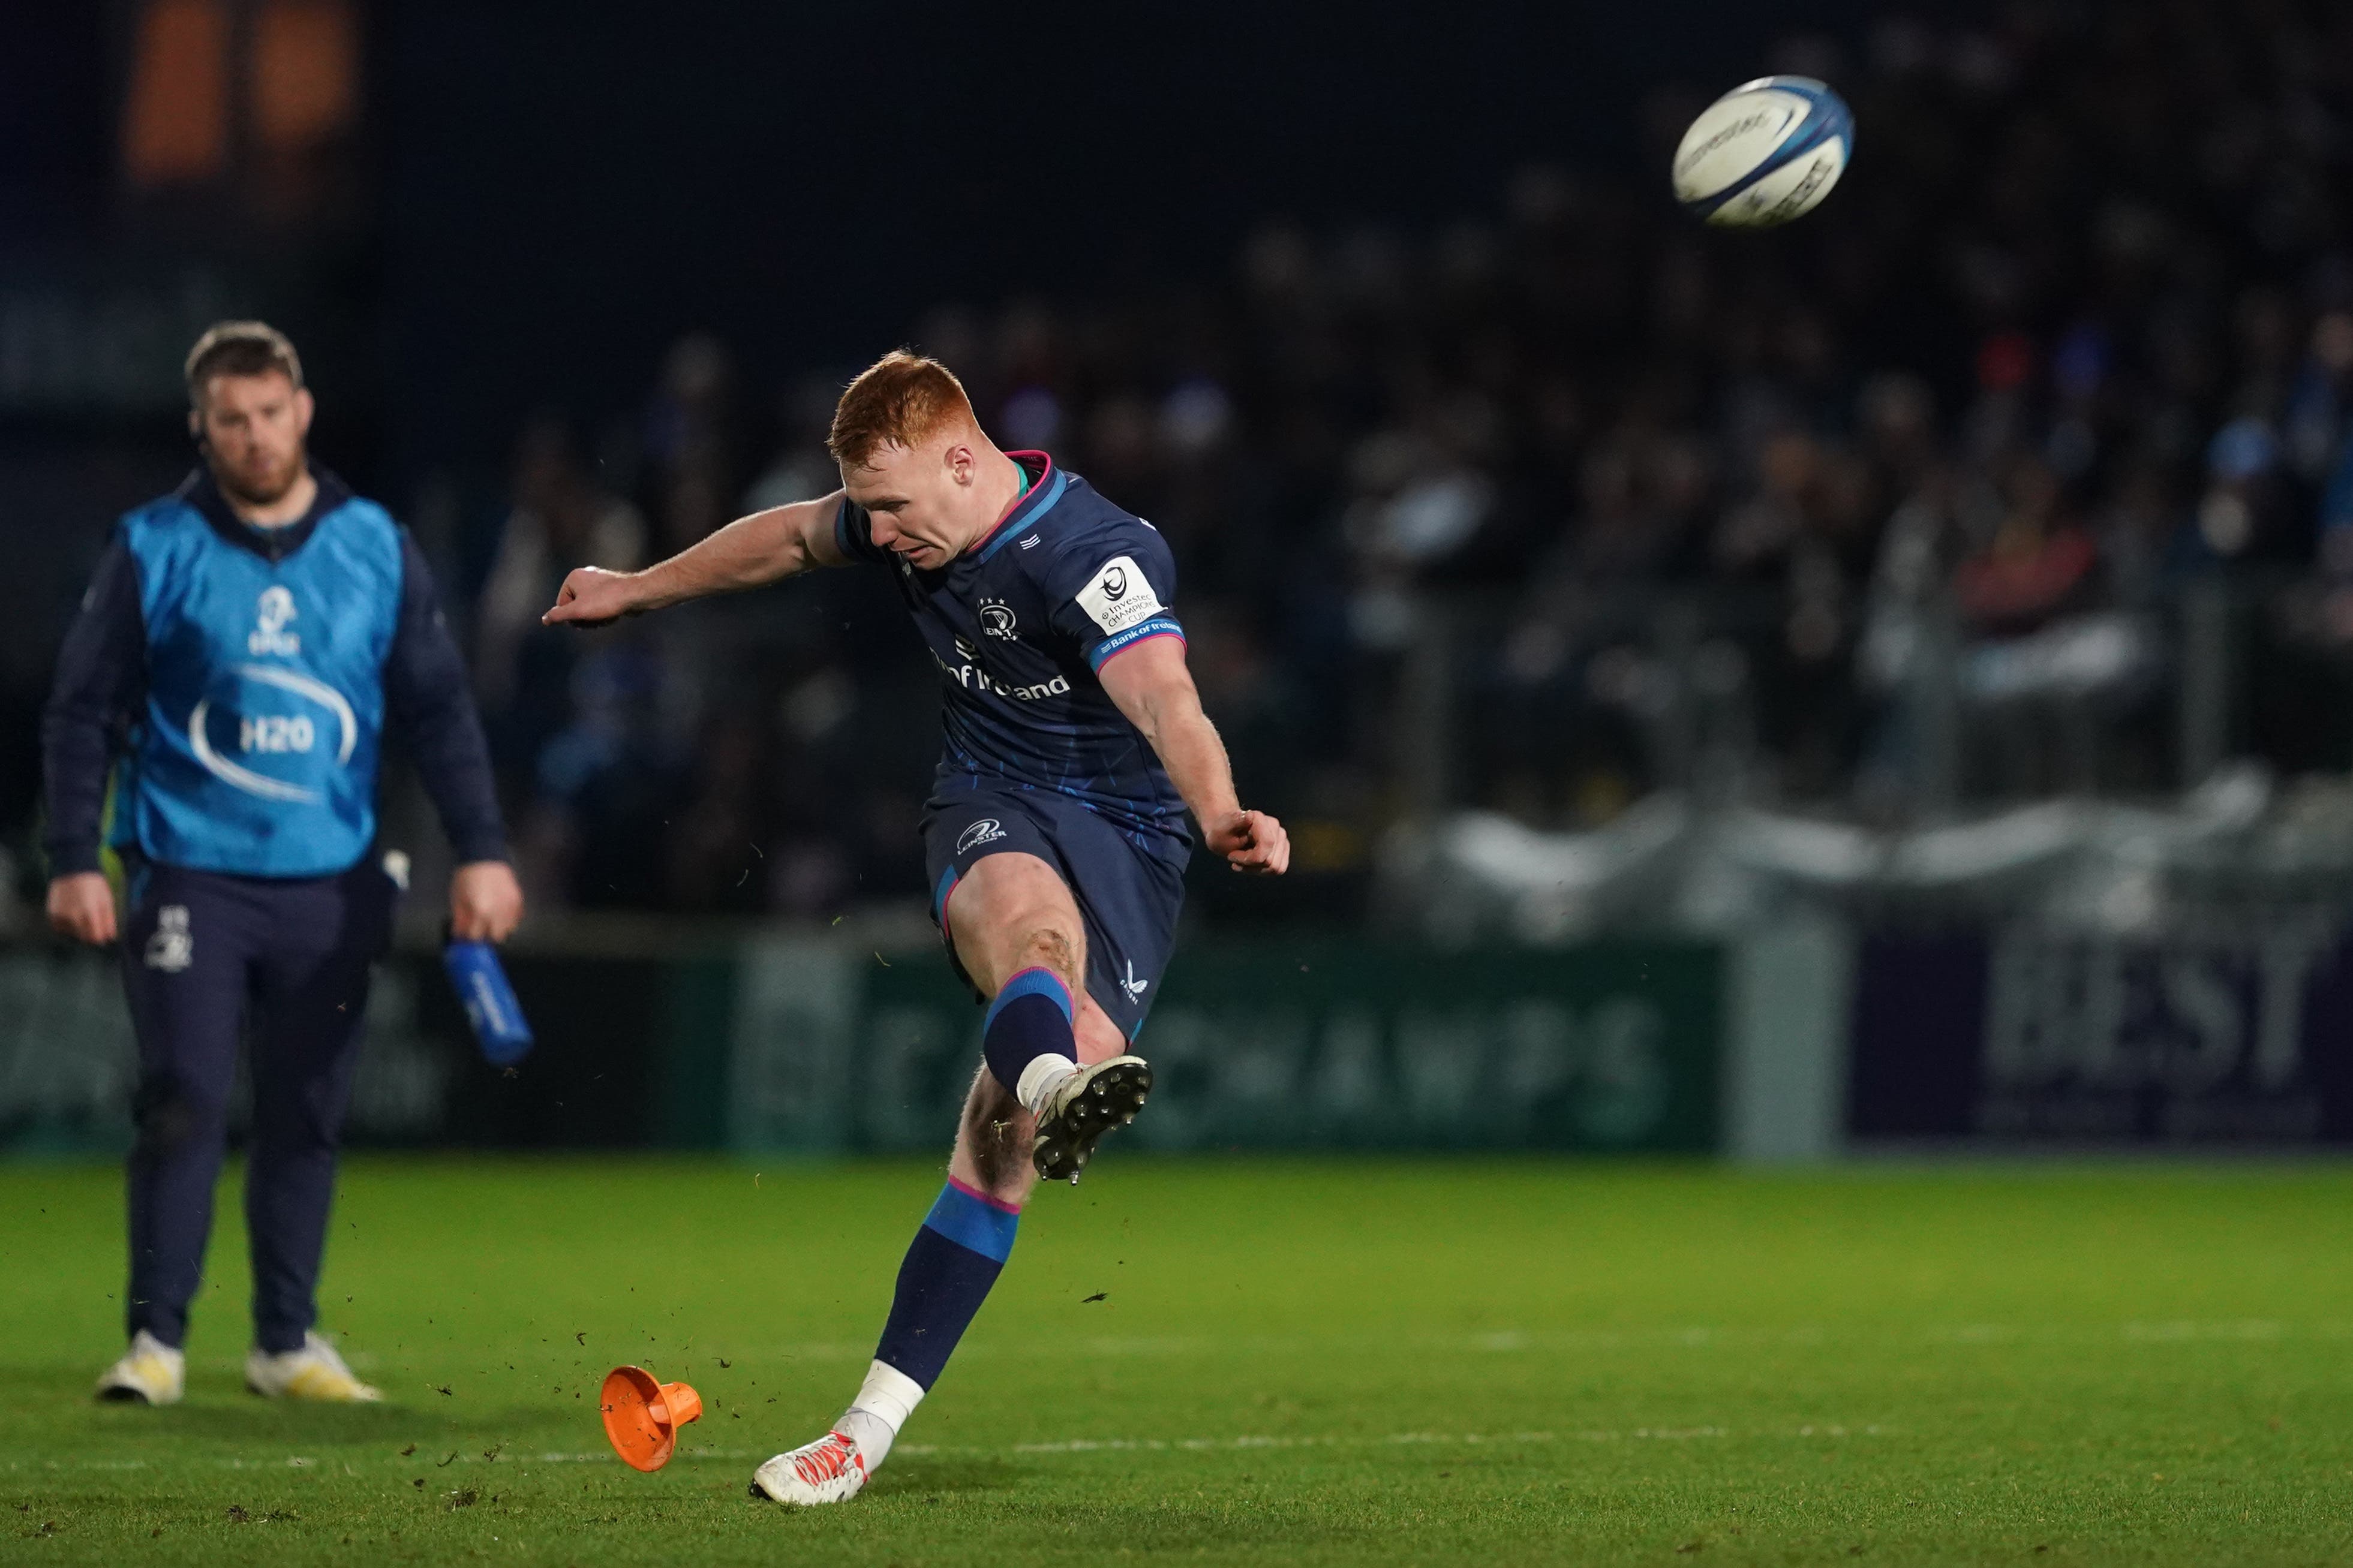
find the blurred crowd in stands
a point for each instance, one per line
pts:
(1573, 492)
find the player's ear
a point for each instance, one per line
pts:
(305, 406)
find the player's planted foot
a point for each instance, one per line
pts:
(314, 1372)
(149, 1372)
(1081, 1109)
(831, 1469)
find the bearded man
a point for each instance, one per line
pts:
(244, 642)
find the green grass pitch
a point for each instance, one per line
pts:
(1302, 1362)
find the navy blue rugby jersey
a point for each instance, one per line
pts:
(1019, 626)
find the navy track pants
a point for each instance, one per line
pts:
(209, 960)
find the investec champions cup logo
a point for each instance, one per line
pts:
(273, 734)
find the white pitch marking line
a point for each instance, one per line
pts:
(1073, 1445)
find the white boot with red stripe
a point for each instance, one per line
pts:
(831, 1469)
(837, 1465)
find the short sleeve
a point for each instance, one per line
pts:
(1114, 589)
(853, 534)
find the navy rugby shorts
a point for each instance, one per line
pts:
(1128, 896)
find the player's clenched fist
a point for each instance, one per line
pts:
(1250, 841)
(591, 596)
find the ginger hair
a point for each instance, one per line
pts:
(900, 400)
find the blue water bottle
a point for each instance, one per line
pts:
(492, 1009)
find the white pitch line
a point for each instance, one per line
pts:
(1028, 1450)
(1517, 1341)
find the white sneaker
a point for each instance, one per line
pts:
(831, 1469)
(1083, 1108)
(149, 1372)
(314, 1372)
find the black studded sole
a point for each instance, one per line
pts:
(1066, 1141)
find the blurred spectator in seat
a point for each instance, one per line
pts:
(608, 786)
(2244, 514)
(1415, 506)
(2051, 652)
(800, 469)
(2039, 563)
(2141, 530)
(2319, 414)
(559, 520)
(690, 443)
(716, 861)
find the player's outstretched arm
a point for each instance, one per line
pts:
(747, 553)
(1152, 686)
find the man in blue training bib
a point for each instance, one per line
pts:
(1055, 834)
(242, 644)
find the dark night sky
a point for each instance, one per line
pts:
(563, 186)
(572, 185)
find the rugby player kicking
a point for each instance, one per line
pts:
(1054, 839)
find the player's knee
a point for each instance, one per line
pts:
(168, 1119)
(1049, 947)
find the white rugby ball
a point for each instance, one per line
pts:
(1765, 152)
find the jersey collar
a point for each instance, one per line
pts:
(201, 491)
(1047, 483)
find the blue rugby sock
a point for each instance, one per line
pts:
(956, 1258)
(1027, 1037)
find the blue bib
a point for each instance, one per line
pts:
(256, 754)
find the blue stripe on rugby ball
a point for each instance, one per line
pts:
(1827, 119)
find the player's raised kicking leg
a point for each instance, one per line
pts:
(1057, 1077)
(1076, 741)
